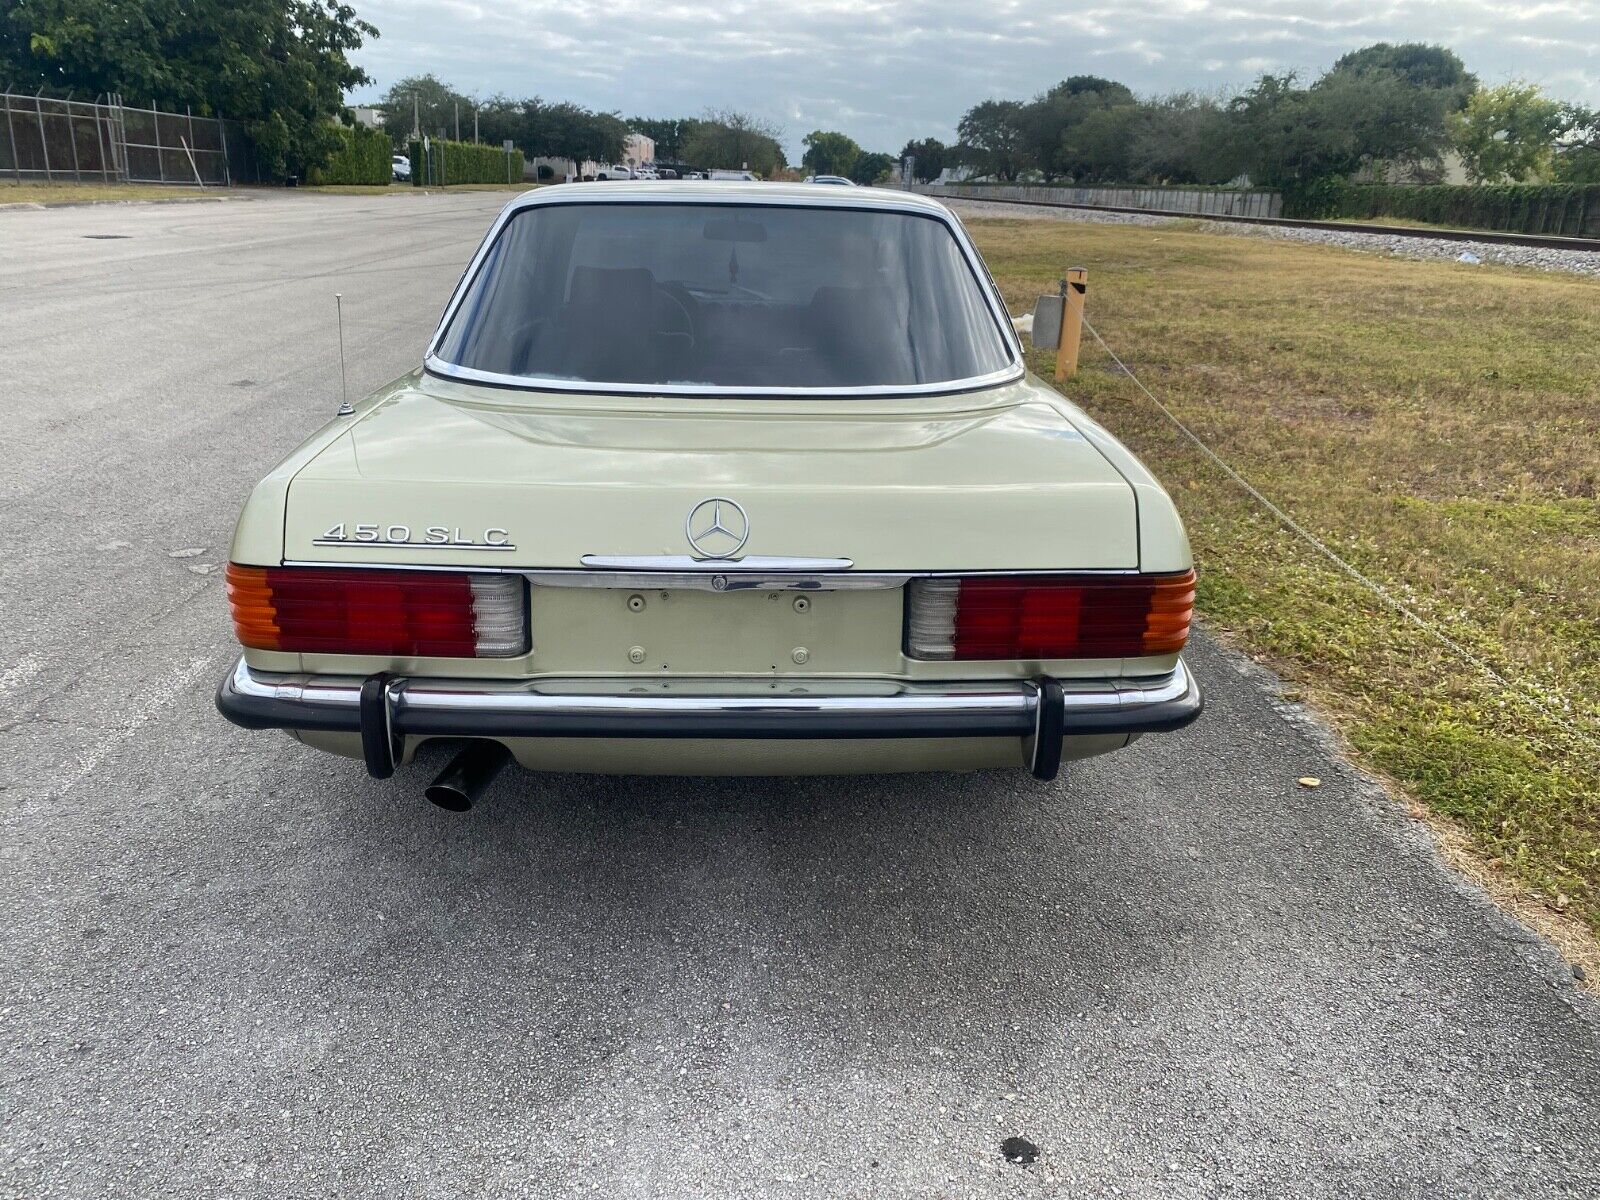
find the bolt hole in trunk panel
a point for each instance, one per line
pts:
(696, 632)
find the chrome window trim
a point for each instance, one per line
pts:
(1014, 371)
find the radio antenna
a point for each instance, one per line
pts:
(345, 408)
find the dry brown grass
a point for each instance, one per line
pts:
(1439, 425)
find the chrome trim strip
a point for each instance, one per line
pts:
(707, 581)
(684, 562)
(998, 312)
(682, 571)
(435, 365)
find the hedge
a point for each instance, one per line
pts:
(462, 162)
(1566, 209)
(363, 158)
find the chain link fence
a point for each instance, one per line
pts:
(43, 140)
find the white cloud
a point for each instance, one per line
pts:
(888, 70)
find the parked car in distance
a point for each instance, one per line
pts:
(735, 176)
(614, 171)
(694, 174)
(836, 180)
(736, 479)
(401, 166)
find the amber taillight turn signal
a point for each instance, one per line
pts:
(346, 610)
(1049, 616)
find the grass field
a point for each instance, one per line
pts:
(1439, 426)
(81, 193)
(395, 189)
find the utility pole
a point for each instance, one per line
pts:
(474, 124)
(416, 118)
(458, 120)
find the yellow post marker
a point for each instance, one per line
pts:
(1073, 289)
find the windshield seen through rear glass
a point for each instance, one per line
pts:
(752, 296)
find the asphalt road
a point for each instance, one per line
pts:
(234, 967)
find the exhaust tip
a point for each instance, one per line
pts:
(463, 781)
(448, 797)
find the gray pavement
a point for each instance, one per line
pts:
(234, 967)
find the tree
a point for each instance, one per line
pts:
(1577, 157)
(992, 138)
(1301, 139)
(1049, 120)
(829, 153)
(281, 67)
(930, 156)
(729, 139)
(1419, 64)
(1098, 148)
(871, 167)
(1183, 138)
(670, 134)
(1379, 117)
(423, 101)
(1507, 133)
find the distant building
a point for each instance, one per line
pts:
(367, 115)
(638, 150)
(559, 170)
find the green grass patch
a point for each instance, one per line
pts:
(1437, 425)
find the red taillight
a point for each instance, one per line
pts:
(415, 614)
(1050, 616)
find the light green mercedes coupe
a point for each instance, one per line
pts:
(714, 478)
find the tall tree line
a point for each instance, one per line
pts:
(1386, 109)
(281, 67)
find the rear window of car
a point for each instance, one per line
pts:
(725, 296)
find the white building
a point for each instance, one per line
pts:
(638, 150)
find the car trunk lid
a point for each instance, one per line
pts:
(440, 473)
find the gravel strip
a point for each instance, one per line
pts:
(1578, 262)
(1034, 212)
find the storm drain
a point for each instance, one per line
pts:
(108, 237)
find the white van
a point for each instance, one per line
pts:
(746, 176)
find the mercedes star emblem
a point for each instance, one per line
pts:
(717, 528)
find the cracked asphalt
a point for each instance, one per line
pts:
(235, 967)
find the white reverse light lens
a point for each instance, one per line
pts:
(498, 615)
(931, 629)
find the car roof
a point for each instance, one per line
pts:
(677, 191)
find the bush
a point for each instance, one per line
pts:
(363, 157)
(462, 162)
(545, 172)
(1567, 209)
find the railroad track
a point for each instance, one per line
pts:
(1543, 241)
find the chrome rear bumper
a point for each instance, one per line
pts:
(385, 709)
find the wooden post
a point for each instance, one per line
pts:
(1073, 289)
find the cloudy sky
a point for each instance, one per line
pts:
(888, 70)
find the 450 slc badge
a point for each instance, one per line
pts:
(365, 533)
